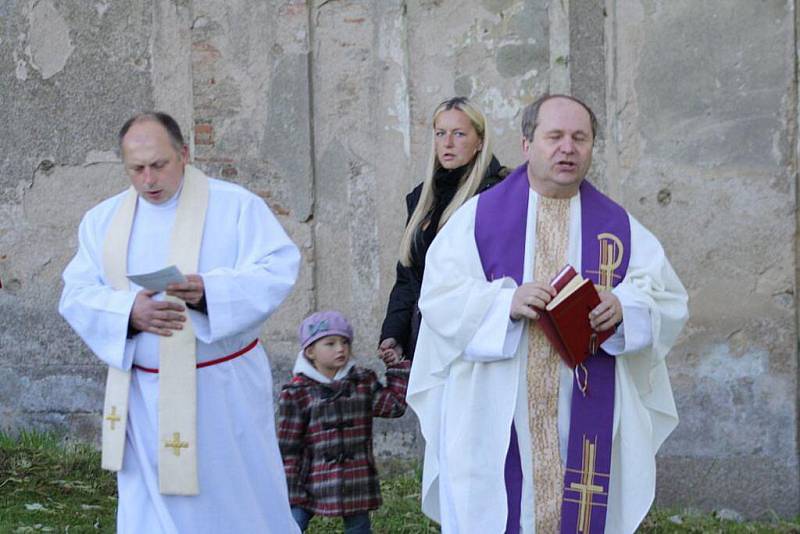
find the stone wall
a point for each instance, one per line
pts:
(322, 108)
(706, 156)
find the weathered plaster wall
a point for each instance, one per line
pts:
(706, 144)
(322, 108)
(69, 76)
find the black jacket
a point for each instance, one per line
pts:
(402, 317)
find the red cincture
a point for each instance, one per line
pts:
(209, 363)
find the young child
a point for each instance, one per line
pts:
(325, 424)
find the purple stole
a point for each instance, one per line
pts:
(500, 225)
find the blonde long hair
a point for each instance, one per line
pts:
(467, 186)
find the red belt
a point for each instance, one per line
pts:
(208, 363)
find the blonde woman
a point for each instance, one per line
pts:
(461, 165)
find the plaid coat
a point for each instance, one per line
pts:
(325, 437)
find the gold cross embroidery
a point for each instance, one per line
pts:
(587, 488)
(611, 250)
(176, 444)
(113, 417)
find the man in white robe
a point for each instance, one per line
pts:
(247, 265)
(470, 378)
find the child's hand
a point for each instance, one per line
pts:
(390, 351)
(390, 357)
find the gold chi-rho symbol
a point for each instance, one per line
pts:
(611, 251)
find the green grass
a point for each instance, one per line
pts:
(48, 485)
(51, 485)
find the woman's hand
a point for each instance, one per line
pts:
(390, 351)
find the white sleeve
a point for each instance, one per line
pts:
(242, 297)
(497, 337)
(457, 303)
(446, 391)
(634, 333)
(653, 299)
(97, 312)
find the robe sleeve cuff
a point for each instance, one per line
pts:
(497, 336)
(201, 318)
(201, 306)
(127, 355)
(220, 319)
(201, 325)
(635, 332)
(115, 348)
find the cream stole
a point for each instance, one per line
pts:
(177, 401)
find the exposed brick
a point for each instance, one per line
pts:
(205, 52)
(204, 134)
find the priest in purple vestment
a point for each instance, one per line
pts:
(514, 441)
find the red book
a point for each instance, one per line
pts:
(565, 320)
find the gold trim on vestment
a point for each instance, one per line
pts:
(543, 373)
(587, 488)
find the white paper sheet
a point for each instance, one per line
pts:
(158, 280)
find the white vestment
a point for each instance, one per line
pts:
(469, 382)
(248, 265)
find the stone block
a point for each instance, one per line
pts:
(756, 486)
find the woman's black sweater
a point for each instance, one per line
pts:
(400, 321)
